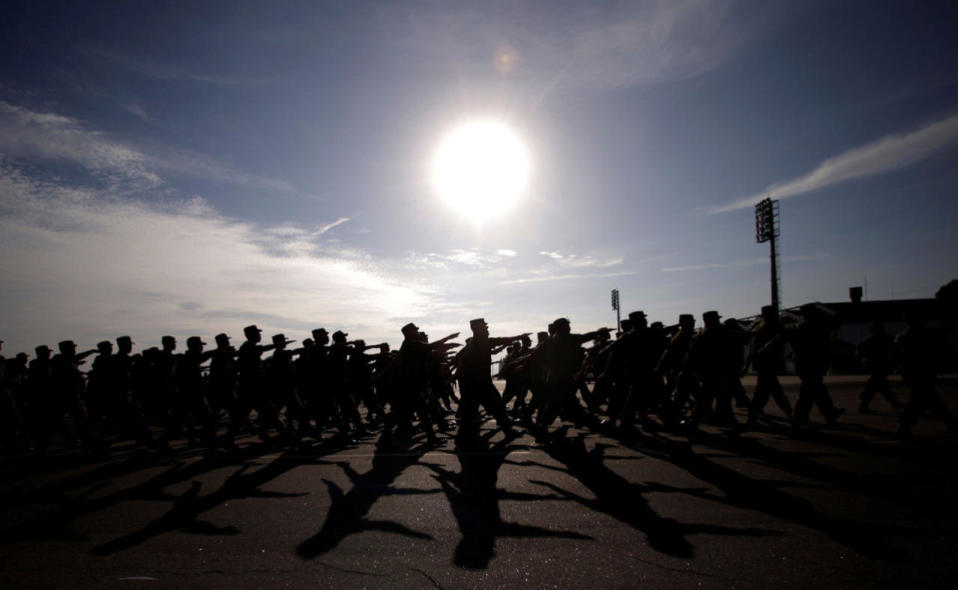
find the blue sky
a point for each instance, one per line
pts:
(189, 168)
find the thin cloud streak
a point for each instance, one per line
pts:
(31, 135)
(741, 263)
(567, 277)
(86, 265)
(888, 154)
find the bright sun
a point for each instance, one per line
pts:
(481, 169)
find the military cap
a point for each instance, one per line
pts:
(409, 329)
(222, 338)
(711, 315)
(124, 340)
(318, 331)
(67, 345)
(280, 340)
(476, 323)
(636, 315)
(359, 343)
(657, 325)
(339, 335)
(768, 310)
(104, 345)
(41, 350)
(686, 318)
(251, 329)
(561, 321)
(195, 340)
(167, 338)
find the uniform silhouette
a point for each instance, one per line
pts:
(766, 354)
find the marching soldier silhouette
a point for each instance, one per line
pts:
(252, 391)
(679, 376)
(875, 354)
(565, 360)
(189, 402)
(920, 352)
(473, 371)
(810, 345)
(766, 354)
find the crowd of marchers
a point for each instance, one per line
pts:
(331, 388)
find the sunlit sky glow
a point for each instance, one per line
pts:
(193, 168)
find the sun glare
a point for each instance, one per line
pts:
(481, 169)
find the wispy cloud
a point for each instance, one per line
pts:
(32, 136)
(889, 153)
(581, 260)
(741, 263)
(593, 46)
(565, 277)
(161, 71)
(87, 265)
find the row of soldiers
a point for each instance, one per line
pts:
(681, 375)
(687, 376)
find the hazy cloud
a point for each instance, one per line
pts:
(31, 136)
(90, 265)
(885, 155)
(565, 277)
(740, 263)
(596, 46)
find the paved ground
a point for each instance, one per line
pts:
(843, 507)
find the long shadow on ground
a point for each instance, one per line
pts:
(474, 499)
(347, 513)
(625, 501)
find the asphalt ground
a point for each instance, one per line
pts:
(849, 506)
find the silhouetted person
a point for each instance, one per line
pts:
(189, 403)
(766, 354)
(222, 379)
(474, 373)
(738, 340)
(711, 356)
(565, 360)
(920, 352)
(641, 349)
(252, 392)
(875, 354)
(67, 387)
(674, 366)
(810, 345)
(338, 374)
(412, 385)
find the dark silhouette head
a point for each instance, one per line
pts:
(686, 321)
(195, 344)
(711, 319)
(280, 341)
(479, 327)
(638, 319)
(339, 337)
(67, 347)
(410, 331)
(124, 344)
(169, 343)
(320, 336)
(562, 326)
(222, 340)
(42, 351)
(104, 347)
(252, 333)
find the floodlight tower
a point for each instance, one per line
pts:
(615, 306)
(767, 230)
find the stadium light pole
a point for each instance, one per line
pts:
(767, 230)
(615, 306)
